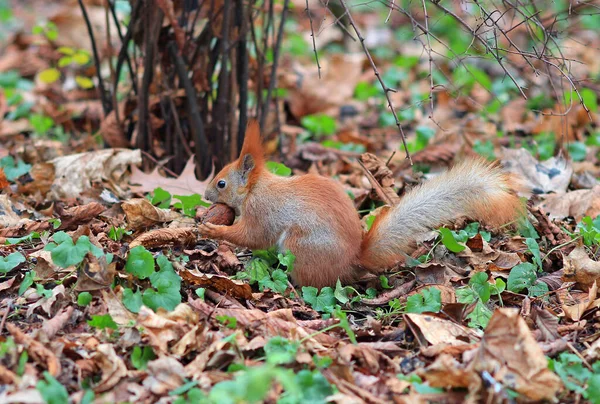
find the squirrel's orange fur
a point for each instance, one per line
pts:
(315, 219)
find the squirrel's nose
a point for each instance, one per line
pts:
(211, 195)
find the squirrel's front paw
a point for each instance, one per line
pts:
(209, 230)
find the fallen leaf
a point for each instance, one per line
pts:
(185, 184)
(511, 355)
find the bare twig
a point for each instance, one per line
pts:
(312, 34)
(273, 78)
(482, 41)
(106, 104)
(385, 88)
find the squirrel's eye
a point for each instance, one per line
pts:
(221, 184)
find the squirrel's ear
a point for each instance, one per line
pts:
(247, 164)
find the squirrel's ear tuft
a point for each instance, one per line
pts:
(253, 144)
(252, 155)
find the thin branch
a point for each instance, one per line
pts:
(106, 104)
(312, 34)
(482, 41)
(385, 88)
(273, 78)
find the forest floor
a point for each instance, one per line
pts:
(108, 294)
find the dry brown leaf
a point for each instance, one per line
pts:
(164, 375)
(111, 365)
(434, 330)
(77, 215)
(141, 213)
(55, 324)
(446, 372)
(36, 350)
(509, 352)
(582, 303)
(162, 328)
(185, 184)
(223, 284)
(3, 181)
(95, 274)
(77, 172)
(43, 177)
(577, 204)
(309, 94)
(552, 175)
(182, 236)
(579, 267)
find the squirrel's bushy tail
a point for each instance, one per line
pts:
(473, 188)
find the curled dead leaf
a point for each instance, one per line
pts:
(141, 213)
(183, 236)
(36, 350)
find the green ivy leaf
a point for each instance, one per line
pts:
(480, 316)
(280, 350)
(278, 168)
(538, 289)
(102, 322)
(429, 300)
(341, 292)
(323, 302)
(26, 282)
(319, 124)
(11, 261)
(593, 389)
(167, 284)
(65, 253)
(140, 262)
(132, 300)
(141, 356)
(278, 281)
(481, 286)
(12, 169)
(287, 259)
(534, 248)
(521, 277)
(449, 241)
(66, 50)
(188, 203)
(161, 198)
(81, 58)
(52, 391)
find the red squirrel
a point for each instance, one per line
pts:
(315, 219)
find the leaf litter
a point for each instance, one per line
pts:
(107, 292)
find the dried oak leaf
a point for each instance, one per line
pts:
(509, 352)
(185, 184)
